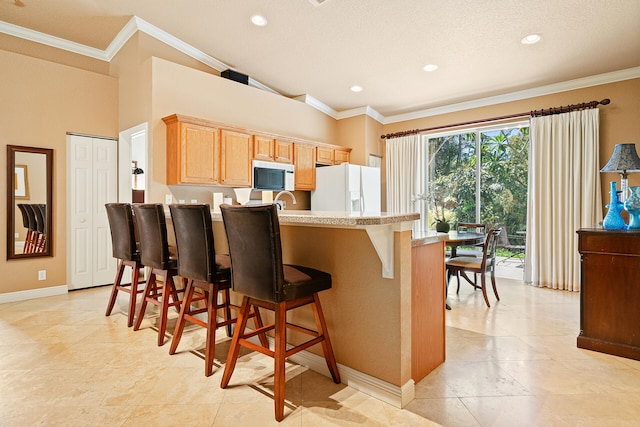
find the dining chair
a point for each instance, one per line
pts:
(258, 273)
(460, 266)
(161, 261)
(125, 249)
(206, 272)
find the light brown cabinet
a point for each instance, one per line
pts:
(305, 162)
(236, 151)
(332, 156)
(324, 155)
(193, 152)
(263, 148)
(341, 156)
(283, 151)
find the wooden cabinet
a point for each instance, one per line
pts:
(324, 155)
(427, 309)
(236, 151)
(332, 156)
(272, 150)
(341, 156)
(283, 151)
(193, 152)
(610, 291)
(305, 162)
(263, 148)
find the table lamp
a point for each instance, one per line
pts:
(623, 160)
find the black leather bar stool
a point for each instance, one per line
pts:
(205, 271)
(156, 255)
(257, 271)
(125, 250)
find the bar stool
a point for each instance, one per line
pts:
(33, 227)
(205, 271)
(257, 271)
(125, 250)
(156, 255)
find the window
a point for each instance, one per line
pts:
(479, 175)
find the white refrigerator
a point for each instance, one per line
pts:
(347, 188)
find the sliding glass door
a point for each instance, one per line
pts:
(479, 175)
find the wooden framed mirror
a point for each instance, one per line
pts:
(29, 202)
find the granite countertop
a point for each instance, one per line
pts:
(425, 237)
(336, 219)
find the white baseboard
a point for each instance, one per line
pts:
(33, 293)
(375, 387)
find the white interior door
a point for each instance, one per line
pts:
(91, 182)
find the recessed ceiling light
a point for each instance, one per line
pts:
(356, 88)
(531, 39)
(430, 67)
(259, 20)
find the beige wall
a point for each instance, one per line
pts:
(41, 102)
(619, 121)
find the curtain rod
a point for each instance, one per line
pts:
(533, 113)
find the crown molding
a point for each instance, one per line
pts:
(318, 105)
(600, 79)
(366, 110)
(46, 39)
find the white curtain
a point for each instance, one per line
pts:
(402, 163)
(564, 195)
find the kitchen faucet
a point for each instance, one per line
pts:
(282, 205)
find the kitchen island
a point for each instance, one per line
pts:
(385, 311)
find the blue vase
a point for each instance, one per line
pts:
(632, 205)
(613, 220)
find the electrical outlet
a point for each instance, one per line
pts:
(42, 275)
(194, 201)
(168, 199)
(181, 201)
(16, 235)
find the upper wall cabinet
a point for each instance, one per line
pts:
(305, 161)
(209, 153)
(272, 150)
(236, 153)
(193, 152)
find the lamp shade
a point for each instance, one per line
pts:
(624, 159)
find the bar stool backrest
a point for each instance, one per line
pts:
(253, 235)
(33, 223)
(122, 231)
(25, 215)
(194, 241)
(152, 232)
(39, 218)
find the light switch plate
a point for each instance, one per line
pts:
(168, 199)
(42, 274)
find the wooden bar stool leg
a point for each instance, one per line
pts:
(234, 349)
(227, 311)
(257, 319)
(279, 359)
(184, 309)
(167, 287)
(148, 292)
(134, 294)
(212, 300)
(321, 326)
(114, 289)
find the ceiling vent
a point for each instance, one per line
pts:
(317, 3)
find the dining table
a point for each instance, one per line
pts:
(463, 238)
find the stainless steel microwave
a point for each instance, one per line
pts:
(273, 176)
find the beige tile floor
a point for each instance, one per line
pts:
(63, 363)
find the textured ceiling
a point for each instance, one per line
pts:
(381, 45)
